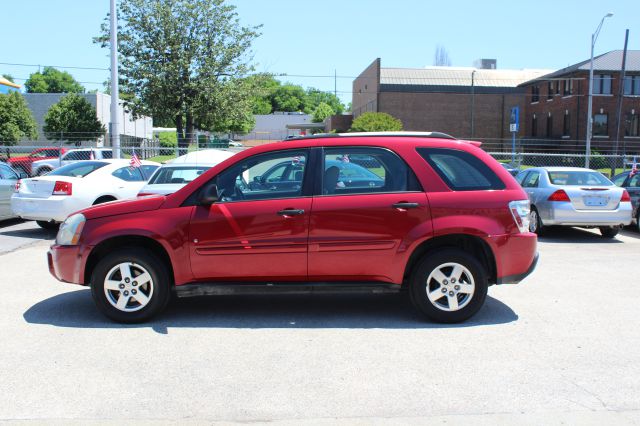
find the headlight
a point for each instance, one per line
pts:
(70, 230)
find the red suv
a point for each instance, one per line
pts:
(23, 164)
(425, 213)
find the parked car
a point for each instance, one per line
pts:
(447, 222)
(513, 170)
(631, 182)
(8, 179)
(573, 196)
(23, 163)
(177, 173)
(50, 199)
(42, 167)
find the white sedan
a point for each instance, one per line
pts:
(51, 198)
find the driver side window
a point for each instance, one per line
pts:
(264, 177)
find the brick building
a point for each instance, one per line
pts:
(555, 112)
(464, 102)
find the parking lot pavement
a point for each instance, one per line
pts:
(561, 347)
(15, 234)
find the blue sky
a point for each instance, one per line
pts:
(316, 38)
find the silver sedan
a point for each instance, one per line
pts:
(572, 196)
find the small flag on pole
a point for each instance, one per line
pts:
(92, 156)
(135, 161)
(634, 169)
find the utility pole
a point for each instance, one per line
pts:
(619, 106)
(115, 125)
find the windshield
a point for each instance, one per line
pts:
(78, 169)
(578, 177)
(185, 174)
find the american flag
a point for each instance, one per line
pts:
(135, 161)
(91, 156)
(634, 169)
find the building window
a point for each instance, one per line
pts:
(632, 127)
(534, 126)
(550, 89)
(602, 84)
(632, 85)
(535, 93)
(568, 87)
(549, 125)
(566, 124)
(600, 125)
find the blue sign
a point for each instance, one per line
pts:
(514, 120)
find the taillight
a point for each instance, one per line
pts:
(62, 188)
(625, 196)
(520, 211)
(19, 182)
(559, 195)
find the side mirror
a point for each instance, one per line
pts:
(23, 175)
(258, 179)
(208, 194)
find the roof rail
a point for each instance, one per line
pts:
(438, 135)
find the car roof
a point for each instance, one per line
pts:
(202, 157)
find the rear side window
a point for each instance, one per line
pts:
(78, 169)
(460, 170)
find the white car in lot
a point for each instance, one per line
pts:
(177, 173)
(42, 167)
(50, 199)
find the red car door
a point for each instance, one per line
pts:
(361, 228)
(256, 231)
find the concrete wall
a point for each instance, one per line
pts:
(274, 126)
(39, 104)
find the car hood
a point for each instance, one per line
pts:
(132, 205)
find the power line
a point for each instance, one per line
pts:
(55, 66)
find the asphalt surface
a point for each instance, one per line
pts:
(562, 347)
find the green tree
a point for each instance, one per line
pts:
(264, 85)
(73, 119)
(16, 120)
(315, 97)
(51, 80)
(321, 113)
(177, 56)
(289, 97)
(376, 122)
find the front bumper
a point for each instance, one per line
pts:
(67, 263)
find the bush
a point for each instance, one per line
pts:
(376, 122)
(168, 140)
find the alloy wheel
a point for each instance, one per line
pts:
(128, 287)
(450, 287)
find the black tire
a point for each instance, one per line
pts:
(609, 231)
(535, 223)
(50, 226)
(103, 200)
(157, 291)
(473, 273)
(638, 221)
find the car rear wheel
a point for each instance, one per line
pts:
(535, 223)
(130, 286)
(449, 286)
(638, 221)
(53, 226)
(609, 231)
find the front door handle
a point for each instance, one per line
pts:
(291, 212)
(405, 205)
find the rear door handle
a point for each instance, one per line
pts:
(405, 205)
(291, 212)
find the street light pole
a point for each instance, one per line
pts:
(473, 103)
(594, 37)
(115, 125)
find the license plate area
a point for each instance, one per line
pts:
(595, 201)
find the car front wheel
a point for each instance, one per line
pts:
(130, 286)
(449, 286)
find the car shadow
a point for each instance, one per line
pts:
(631, 231)
(34, 233)
(76, 309)
(565, 234)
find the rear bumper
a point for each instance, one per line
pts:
(66, 263)
(565, 214)
(54, 208)
(515, 279)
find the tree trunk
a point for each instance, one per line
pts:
(182, 142)
(190, 130)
